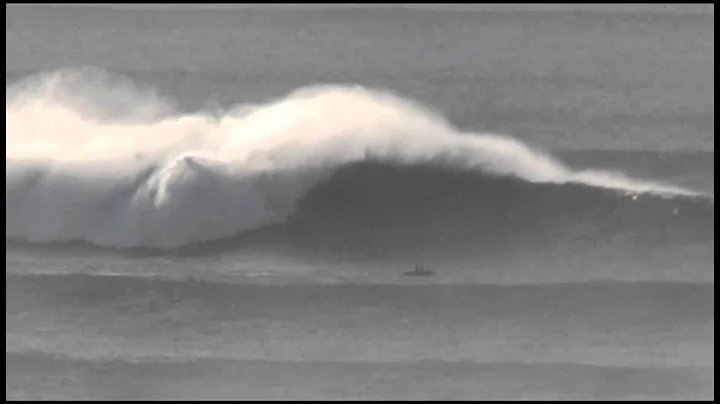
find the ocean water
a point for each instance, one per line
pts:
(221, 203)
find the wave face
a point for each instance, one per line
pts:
(93, 158)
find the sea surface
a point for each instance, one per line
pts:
(224, 202)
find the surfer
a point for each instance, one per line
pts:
(419, 270)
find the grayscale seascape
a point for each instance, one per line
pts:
(229, 202)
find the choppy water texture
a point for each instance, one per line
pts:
(220, 203)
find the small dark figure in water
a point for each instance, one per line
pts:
(419, 270)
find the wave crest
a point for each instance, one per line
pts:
(93, 160)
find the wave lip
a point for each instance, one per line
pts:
(140, 176)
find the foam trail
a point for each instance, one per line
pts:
(90, 157)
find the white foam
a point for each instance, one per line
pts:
(91, 157)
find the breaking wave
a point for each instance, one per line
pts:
(93, 158)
